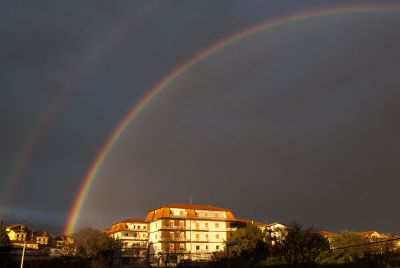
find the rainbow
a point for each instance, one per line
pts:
(180, 70)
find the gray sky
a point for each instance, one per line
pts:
(297, 123)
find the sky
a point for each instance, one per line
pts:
(295, 123)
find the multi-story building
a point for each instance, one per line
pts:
(43, 238)
(131, 240)
(19, 232)
(185, 231)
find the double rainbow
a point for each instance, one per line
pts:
(180, 70)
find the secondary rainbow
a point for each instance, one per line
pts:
(8, 187)
(175, 73)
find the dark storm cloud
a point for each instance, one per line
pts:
(296, 123)
(44, 44)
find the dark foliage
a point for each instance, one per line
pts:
(302, 248)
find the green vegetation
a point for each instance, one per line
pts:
(95, 246)
(248, 245)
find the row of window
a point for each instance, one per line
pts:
(199, 213)
(134, 234)
(139, 227)
(207, 247)
(198, 225)
(198, 236)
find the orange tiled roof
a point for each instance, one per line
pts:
(326, 233)
(133, 220)
(198, 207)
(165, 211)
(13, 226)
(252, 222)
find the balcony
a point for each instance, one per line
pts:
(174, 239)
(204, 217)
(201, 240)
(168, 227)
(131, 238)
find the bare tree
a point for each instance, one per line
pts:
(302, 248)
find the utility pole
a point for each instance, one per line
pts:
(23, 255)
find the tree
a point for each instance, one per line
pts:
(4, 247)
(4, 240)
(302, 248)
(348, 245)
(94, 245)
(248, 244)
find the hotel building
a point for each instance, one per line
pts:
(185, 231)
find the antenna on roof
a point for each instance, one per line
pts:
(191, 200)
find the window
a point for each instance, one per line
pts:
(207, 236)
(207, 247)
(138, 227)
(181, 213)
(217, 225)
(197, 248)
(197, 225)
(217, 236)
(217, 247)
(197, 236)
(206, 224)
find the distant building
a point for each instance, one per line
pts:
(19, 232)
(371, 235)
(65, 245)
(43, 238)
(131, 238)
(186, 231)
(276, 232)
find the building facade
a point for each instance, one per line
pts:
(185, 231)
(19, 232)
(131, 238)
(43, 238)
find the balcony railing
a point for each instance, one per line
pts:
(200, 240)
(173, 227)
(166, 239)
(184, 217)
(131, 238)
